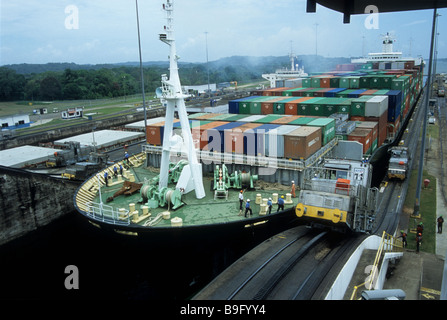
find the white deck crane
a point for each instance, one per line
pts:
(174, 97)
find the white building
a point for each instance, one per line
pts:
(15, 121)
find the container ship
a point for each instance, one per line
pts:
(298, 150)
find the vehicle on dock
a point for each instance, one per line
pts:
(398, 164)
(339, 196)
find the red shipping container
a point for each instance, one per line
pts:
(325, 82)
(234, 138)
(362, 135)
(154, 133)
(201, 133)
(285, 119)
(373, 125)
(267, 106)
(367, 93)
(291, 107)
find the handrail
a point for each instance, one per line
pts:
(257, 160)
(388, 243)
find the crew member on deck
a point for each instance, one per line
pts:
(241, 202)
(280, 204)
(106, 178)
(269, 205)
(293, 189)
(247, 208)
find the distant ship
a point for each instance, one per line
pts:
(388, 55)
(295, 72)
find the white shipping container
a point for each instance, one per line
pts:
(376, 106)
(293, 83)
(274, 140)
(252, 118)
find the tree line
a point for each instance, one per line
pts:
(69, 81)
(72, 84)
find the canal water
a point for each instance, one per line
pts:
(33, 267)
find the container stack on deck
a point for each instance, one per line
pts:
(367, 105)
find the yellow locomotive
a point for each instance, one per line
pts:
(339, 196)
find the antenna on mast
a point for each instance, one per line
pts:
(172, 93)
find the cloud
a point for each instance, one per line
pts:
(413, 23)
(34, 31)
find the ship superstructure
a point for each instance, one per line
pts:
(295, 72)
(388, 54)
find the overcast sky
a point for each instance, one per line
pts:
(46, 31)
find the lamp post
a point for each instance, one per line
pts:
(416, 212)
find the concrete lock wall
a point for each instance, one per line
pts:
(29, 201)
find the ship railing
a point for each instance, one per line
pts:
(208, 157)
(331, 186)
(106, 213)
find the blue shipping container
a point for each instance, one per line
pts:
(356, 93)
(260, 137)
(233, 105)
(394, 104)
(219, 134)
(333, 92)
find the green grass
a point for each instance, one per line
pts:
(427, 212)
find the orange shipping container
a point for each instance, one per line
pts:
(267, 106)
(302, 142)
(285, 119)
(362, 135)
(234, 138)
(374, 126)
(291, 107)
(154, 132)
(200, 133)
(325, 82)
(274, 91)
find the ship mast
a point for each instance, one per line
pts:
(174, 97)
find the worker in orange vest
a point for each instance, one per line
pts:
(293, 189)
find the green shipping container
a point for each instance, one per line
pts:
(374, 82)
(310, 92)
(315, 82)
(335, 82)
(255, 105)
(279, 107)
(365, 82)
(306, 83)
(307, 107)
(343, 105)
(222, 117)
(301, 121)
(344, 93)
(245, 105)
(354, 82)
(316, 107)
(235, 117)
(268, 118)
(386, 81)
(344, 82)
(358, 106)
(327, 126)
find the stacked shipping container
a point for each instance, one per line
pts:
(365, 106)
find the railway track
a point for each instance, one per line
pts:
(287, 266)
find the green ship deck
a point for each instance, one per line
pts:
(128, 210)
